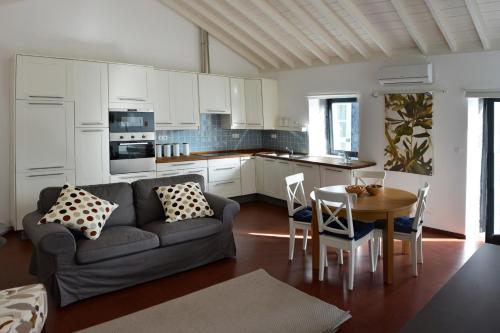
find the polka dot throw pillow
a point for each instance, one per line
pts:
(183, 201)
(80, 210)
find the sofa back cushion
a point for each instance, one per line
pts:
(147, 205)
(120, 193)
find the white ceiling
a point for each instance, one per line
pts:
(284, 34)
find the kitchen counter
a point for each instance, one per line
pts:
(301, 158)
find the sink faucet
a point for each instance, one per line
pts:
(289, 150)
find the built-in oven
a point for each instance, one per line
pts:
(126, 119)
(132, 152)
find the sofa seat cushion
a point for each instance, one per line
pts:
(115, 242)
(183, 231)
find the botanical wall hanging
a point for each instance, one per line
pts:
(408, 125)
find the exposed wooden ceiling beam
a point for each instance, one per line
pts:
(277, 17)
(222, 24)
(342, 28)
(438, 18)
(410, 26)
(478, 21)
(306, 18)
(221, 8)
(215, 32)
(264, 24)
(356, 13)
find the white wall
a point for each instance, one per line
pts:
(135, 31)
(453, 73)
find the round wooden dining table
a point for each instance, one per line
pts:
(389, 204)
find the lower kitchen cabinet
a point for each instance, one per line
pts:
(132, 177)
(225, 188)
(334, 176)
(92, 156)
(312, 177)
(274, 173)
(28, 187)
(170, 173)
(248, 175)
(224, 177)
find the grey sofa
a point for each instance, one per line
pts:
(135, 245)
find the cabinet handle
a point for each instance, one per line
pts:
(215, 111)
(305, 166)
(132, 99)
(334, 170)
(255, 124)
(224, 183)
(196, 170)
(221, 169)
(170, 174)
(42, 103)
(283, 162)
(182, 164)
(45, 168)
(35, 96)
(47, 175)
(134, 177)
(92, 130)
(188, 123)
(163, 123)
(91, 123)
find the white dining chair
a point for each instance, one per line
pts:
(361, 177)
(407, 229)
(341, 233)
(299, 214)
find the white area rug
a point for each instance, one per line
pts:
(255, 302)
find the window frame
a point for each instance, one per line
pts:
(329, 127)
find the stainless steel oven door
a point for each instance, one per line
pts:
(132, 156)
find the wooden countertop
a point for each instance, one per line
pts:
(306, 159)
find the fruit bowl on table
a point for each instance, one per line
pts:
(374, 189)
(357, 189)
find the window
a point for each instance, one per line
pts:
(342, 132)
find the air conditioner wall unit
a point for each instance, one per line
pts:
(405, 75)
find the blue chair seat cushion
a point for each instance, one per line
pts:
(361, 229)
(402, 224)
(303, 215)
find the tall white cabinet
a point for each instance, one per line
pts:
(60, 128)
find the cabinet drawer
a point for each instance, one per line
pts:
(334, 176)
(223, 172)
(226, 189)
(233, 161)
(131, 177)
(181, 165)
(160, 174)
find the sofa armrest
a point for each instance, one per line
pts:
(224, 209)
(50, 238)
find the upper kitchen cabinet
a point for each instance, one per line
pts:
(253, 103)
(238, 114)
(90, 85)
(215, 94)
(270, 103)
(176, 102)
(44, 136)
(130, 83)
(43, 78)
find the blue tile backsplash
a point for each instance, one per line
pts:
(212, 137)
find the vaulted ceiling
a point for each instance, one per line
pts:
(284, 34)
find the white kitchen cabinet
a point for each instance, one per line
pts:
(200, 171)
(312, 177)
(253, 103)
(238, 114)
(224, 176)
(184, 102)
(248, 175)
(215, 94)
(270, 107)
(174, 166)
(130, 83)
(176, 102)
(259, 174)
(28, 187)
(45, 135)
(285, 169)
(90, 85)
(43, 78)
(132, 177)
(92, 156)
(270, 177)
(334, 176)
